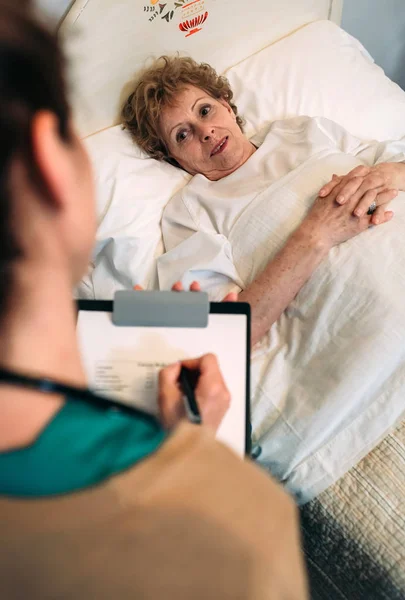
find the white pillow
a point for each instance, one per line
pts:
(319, 70)
(132, 191)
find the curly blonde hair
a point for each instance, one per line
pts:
(157, 87)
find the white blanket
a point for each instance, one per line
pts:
(328, 381)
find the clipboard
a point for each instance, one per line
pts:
(125, 342)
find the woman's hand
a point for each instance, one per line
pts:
(365, 185)
(211, 393)
(331, 222)
(194, 287)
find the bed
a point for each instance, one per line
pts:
(298, 62)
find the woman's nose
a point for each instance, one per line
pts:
(207, 134)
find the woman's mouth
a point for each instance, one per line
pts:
(220, 147)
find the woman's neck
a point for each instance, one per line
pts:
(38, 334)
(37, 337)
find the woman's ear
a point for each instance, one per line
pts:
(52, 157)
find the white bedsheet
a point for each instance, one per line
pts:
(328, 381)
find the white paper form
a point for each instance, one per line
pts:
(123, 362)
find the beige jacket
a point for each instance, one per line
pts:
(191, 522)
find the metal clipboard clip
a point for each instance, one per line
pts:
(160, 309)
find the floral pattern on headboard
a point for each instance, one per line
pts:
(192, 14)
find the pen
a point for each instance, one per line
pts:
(190, 403)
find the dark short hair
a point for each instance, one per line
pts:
(31, 79)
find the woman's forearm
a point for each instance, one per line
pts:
(328, 223)
(401, 183)
(274, 289)
(394, 173)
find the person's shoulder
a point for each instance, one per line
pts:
(295, 125)
(193, 191)
(291, 126)
(177, 200)
(180, 206)
(304, 128)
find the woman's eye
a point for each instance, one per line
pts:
(181, 136)
(205, 110)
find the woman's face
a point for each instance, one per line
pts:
(202, 134)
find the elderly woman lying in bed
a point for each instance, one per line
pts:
(327, 290)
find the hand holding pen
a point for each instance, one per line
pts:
(193, 389)
(210, 392)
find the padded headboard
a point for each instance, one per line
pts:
(108, 41)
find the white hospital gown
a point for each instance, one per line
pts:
(328, 381)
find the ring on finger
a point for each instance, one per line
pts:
(372, 208)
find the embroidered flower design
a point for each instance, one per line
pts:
(192, 17)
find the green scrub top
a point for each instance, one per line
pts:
(82, 445)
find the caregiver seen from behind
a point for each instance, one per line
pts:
(293, 221)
